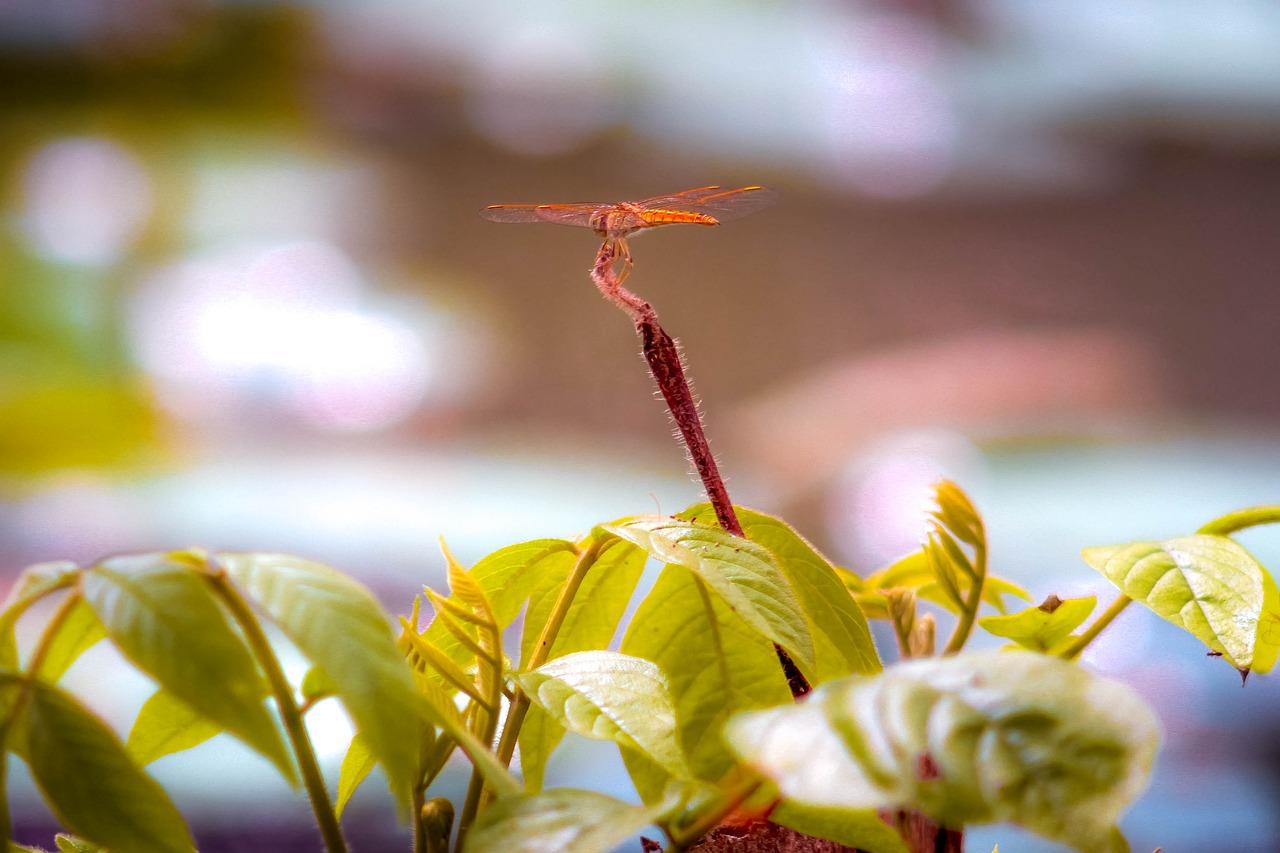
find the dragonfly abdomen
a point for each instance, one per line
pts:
(676, 217)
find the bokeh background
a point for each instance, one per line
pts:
(246, 302)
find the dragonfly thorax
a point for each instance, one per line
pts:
(619, 220)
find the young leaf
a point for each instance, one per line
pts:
(71, 844)
(89, 782)
(1045, 628)
(162, 615)
(337, 624)
(744, 574)
(842, 640)
(166, 725)
(1208, 585)
(605, 695)
(507, 576)
(79, 631)
(446, 715)
(715, 664)
(979, 738)
(317, 686)
(356, 765)
(562, 820)
(539, 736)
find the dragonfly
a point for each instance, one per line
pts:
(615, 221)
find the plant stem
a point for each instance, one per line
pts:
(663, 355)
(965, 624)
(711, 818)
(419, 830)
(1073, 651)
(1236, 521)
(519, 705)
(289, 713)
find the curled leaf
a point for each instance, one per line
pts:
(969, 739)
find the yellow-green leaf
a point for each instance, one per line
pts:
(606, 695)
(162, 614)
(357, 764)
(79, 631)
(165, 725)
(1044, 628)
(88, 780)
(562, 820)
(744, 574)
(1206, 584)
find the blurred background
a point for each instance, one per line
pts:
(246, 303)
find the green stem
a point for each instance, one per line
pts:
(1234, 522)
(519, 706)
(1073, 651)
(419, 830)
(289, 713)
(965, 626)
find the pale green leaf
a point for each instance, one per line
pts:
(1208, 585)
(606, 695)
(967, 739)
(489, 659)
(539, 736)
(357, 764)
(863, 830)
(1044, 628)
(842, 640)
(562, 820)
(88, 780)
(317, 685)
(445, 714)
(715, 663)
(166, 725)
(338, 625)
(79, 631)
(162, 615)
(744, 574)
(597, 607)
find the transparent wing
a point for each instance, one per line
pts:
(557, 214)
(717, 201)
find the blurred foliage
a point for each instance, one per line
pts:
(68, 394)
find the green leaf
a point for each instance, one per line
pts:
(356, 765)
(597, 607)
(1208, 585)
(338, 625)
(741, 572)
(32, 584)
(715, 663)
(163, 616)
(71, 844)
(842, 640)
(863, 830)
(79, 631)
(562, 820)
(968, 739)
(610, 696)
(87, 779)
(469, 606)
(591, 622)
(1046, 628)
(165, 725)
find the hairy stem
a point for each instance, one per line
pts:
(1073, 651)
(1236, 521)
(290, 715)
(663, 355)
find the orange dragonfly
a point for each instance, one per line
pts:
(616, 221)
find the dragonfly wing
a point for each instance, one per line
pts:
(716, 201)
(557, 214)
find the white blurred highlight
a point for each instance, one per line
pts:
(285, 326)
(877, 509)
(84, 200)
